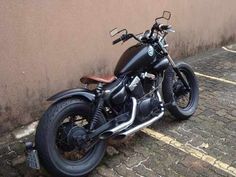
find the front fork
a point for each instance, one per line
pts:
(177, 71)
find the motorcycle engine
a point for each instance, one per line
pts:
(148, 106)
(136, 87)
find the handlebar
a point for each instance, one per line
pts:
(117, 41)
(158, 27)
(124, 38)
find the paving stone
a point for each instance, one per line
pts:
(195, 164)
(7, 171)
(18, 147)
(211, 130)
(145, 171)
(184, 171)
(4, 149)
(233, 164)
(122, 170)
(8, 156)
(145, 151)
(221, 112)
(18, 160)
(232, 126)
(134, 160)
(25, 171)
(233, 113)
(106, 172)
(111, 151)
(5, 139)
(114, 160)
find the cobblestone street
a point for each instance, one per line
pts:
(211, 131)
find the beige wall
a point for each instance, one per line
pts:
(46, 46)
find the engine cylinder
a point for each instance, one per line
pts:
(136, 87)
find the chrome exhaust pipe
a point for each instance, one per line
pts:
(122, 126)
(138, 127)
(143, 125)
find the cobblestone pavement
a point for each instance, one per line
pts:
(212, 130)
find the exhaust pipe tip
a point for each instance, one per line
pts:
(106, 135)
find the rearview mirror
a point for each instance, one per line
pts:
(114, 32)
(166, 15)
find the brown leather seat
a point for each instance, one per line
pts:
(96, 79)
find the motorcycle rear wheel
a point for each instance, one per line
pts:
(53, 154)
(173, 89)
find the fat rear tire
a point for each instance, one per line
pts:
(168, 93)
(44, 141)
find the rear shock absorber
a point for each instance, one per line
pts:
(99, 107)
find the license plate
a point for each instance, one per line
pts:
(33, 160)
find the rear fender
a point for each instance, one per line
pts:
(73, 93)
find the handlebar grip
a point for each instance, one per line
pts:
(116, 41)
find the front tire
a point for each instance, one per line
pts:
(50, 151)
(171, 94)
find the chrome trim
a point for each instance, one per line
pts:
(122, 126)
(145, 124)
(134, 83)
(148, 75)
(129, 122)
(171, 61)
(137, 128)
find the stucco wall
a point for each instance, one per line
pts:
(46, 46)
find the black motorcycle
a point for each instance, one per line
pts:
(72, 134)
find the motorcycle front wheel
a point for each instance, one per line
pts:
(60, 142)
(183, 102)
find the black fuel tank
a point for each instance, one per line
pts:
(134, 58)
